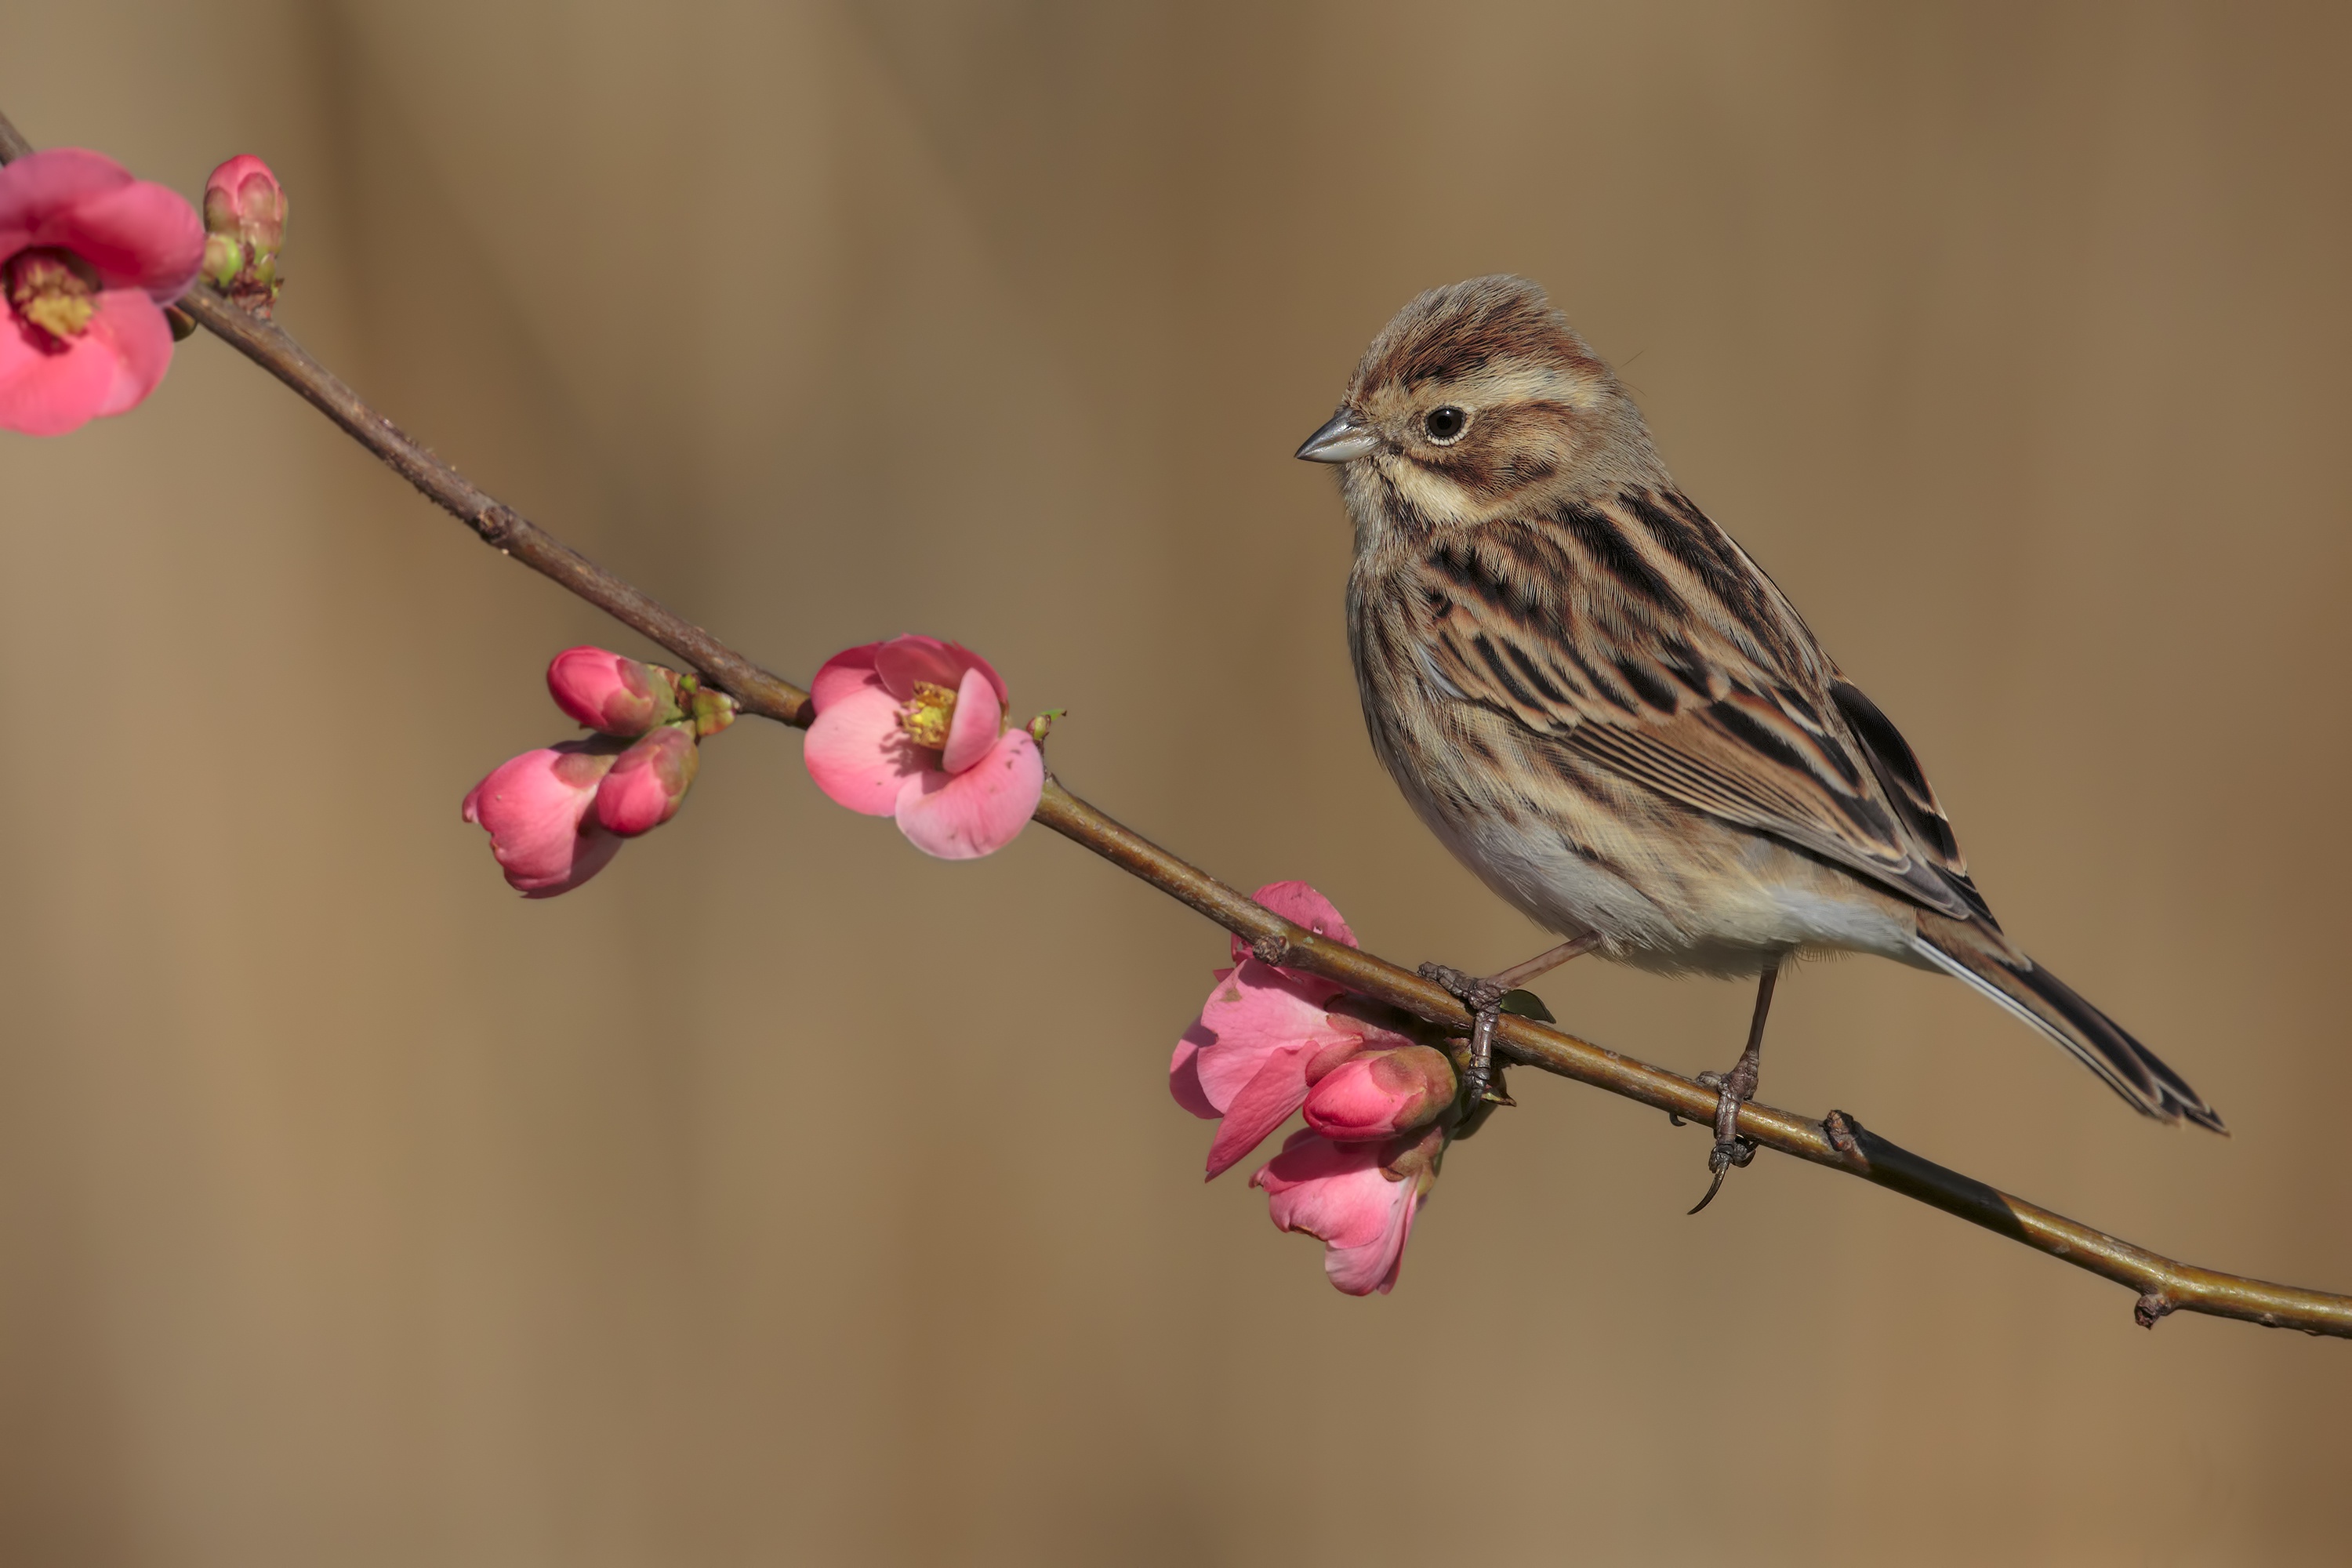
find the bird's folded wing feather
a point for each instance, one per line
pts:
(1638, 636)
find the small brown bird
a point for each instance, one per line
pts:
(1612, 716)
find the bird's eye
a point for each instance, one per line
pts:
(1445, 425)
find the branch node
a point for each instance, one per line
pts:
(1840, 1130)
(2152, 1309)
(1274, 950)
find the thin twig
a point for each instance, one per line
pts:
(501, 527)
(2162, 1285)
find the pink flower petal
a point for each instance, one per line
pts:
(978, 719)
(47, 389)
(592, 854)
(904, 660)
(1184, 1074)
(233, 173)
(37, 189)
(962, 816)
(1262, 1104)
(140, 235)
(849, 670)
(858, 754)
(1338, 1194)
(1301, 905)
(141, 341)
(1256, 1010)
(1361, 1271)
(532, 807)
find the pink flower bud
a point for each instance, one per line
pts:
(605, 692)
(245, 225)
(1376, 1094)
(645, 787)
(535, 809)
(243, 198)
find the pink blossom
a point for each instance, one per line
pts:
(1270, 1039)
(605, 691)
(1377, 1093)
(649, 782)
(535, 808)
(914, 728)
(1262, 1037)
(1359, 1199)
(1266, 1035)
(88, 256)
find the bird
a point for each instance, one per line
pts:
(1609, 714)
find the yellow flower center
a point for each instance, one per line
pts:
(926, 719)
(56, 290)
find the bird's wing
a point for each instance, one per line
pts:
(1634, 634)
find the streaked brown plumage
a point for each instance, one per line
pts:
(1610, 713)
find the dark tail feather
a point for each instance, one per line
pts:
(2051, 1005)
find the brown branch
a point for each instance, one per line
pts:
(2163, 1286)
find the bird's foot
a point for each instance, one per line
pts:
(1736, 1088)
(1730, 1149)
(1488, 997)
(1483, 997)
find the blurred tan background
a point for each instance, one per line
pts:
(786, 1197)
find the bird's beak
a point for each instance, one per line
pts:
(1340, 441)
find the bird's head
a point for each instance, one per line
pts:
(1474, 394)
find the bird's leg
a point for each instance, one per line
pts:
(1735, 1088)
(1544, 962)
(1483, 994)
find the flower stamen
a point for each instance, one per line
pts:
(928, 718)
(54, 290)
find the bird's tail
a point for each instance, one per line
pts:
(2050, 1004)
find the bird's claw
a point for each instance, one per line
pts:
(1475, 992)
(1736, 1088)
(1730, 1149)
(1483, 997)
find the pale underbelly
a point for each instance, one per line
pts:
(1720, 901)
